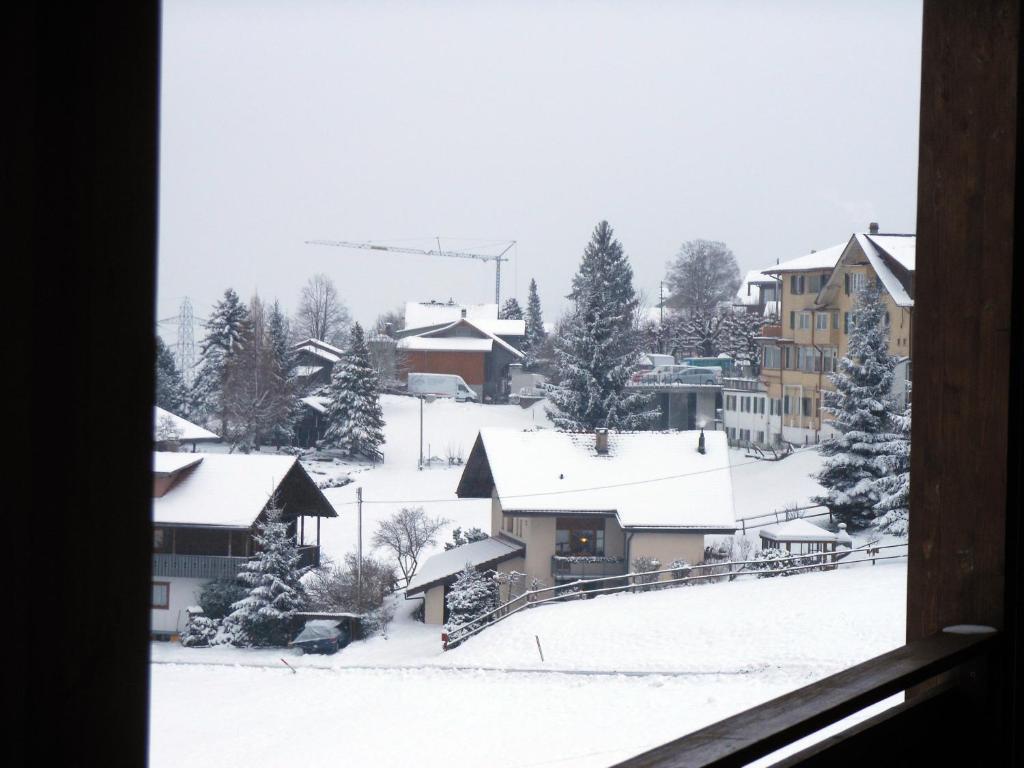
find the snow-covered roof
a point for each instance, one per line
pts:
(648, 479)
(316, 402)
(423, 314)
(796, 530)
(902, 248)
(501, 327)
(321, 349)
(891, 283)
(438, 332)
(222, 490)
(446, 564)
(823, 259)
(446, 344)
(189, 432)
(167, 463)
(749, 293)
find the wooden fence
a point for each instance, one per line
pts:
(668, 578)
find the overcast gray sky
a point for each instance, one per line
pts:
(777, 128)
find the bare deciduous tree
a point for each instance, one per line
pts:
(702, 276)
(405, 535)
(321, 314)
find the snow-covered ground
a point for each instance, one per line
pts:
(620, 674)
(448, 427)
(647, 667)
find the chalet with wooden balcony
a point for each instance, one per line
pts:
(313, 362)
(569, 506)
(205, 509)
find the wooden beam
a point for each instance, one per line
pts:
(759, 731)
(963, 286)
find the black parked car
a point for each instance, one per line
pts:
(322, 636)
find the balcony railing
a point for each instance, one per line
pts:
(748, 385)
(574, 568)
(216, 566)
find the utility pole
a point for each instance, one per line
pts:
(359, 551)
(661, 317)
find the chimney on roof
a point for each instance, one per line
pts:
(601, 440)
(873, 228)
(463, 311)
(700, 442)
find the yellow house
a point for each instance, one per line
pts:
(817, 293)
(569, 506)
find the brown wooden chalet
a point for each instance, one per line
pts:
(206, 507)
(464, 348)
(313, 362)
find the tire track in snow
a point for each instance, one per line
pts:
(747, 670)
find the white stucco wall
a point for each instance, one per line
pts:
(433, 606)
(183, 593)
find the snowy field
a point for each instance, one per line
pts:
(659, 664)
(653, 666)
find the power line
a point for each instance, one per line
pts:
(628, 483)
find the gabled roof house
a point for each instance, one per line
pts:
(568, 506)
(464, 348)
(204, 511)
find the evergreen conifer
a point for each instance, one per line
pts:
(861, 414)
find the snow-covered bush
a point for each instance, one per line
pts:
(199, 631)
(230, 632)
(680, 570)
(770, 562)
(338, 588)
(378, 620)
(642, 566)
(216, 597)
(471, 596)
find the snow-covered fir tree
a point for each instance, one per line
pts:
(471, 596)
(223, 332)
(533, 342)
(861, 413)
(460, 539)
(600, 346)
(355, 421)
(265, 616)
(170, 387)
(893, 488)
(282, 431)
(510, 310)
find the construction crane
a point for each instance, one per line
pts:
(496, 258)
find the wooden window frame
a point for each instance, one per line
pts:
(166, 606)
(99, 129)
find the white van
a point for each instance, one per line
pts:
(442, 384)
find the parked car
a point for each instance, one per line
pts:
(321, 636)
(680, 374)
(443, 384)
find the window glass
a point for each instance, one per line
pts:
(161, 594)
